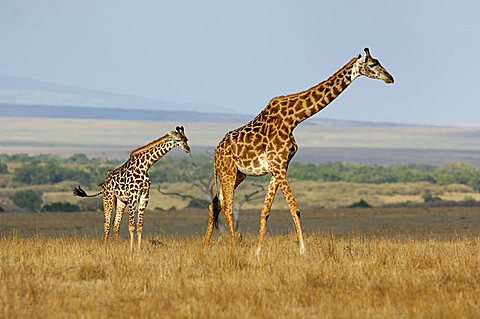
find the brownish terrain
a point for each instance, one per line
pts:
(439, 221)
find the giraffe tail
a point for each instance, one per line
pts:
(78, 191)
(215, 206)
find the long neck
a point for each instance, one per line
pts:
(297, 107)
(146, 156)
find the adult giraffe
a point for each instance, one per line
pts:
(266, 145)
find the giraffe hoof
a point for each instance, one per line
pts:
(302, 250)
(257, 252)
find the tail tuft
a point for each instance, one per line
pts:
(216, 210)
(78, 191)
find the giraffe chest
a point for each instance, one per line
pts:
(254, 167)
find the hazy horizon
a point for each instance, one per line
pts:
(236, 56)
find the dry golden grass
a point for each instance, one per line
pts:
(340, 277)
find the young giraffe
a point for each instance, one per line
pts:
(129, 184)
(266, 145)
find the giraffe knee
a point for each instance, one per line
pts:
(298, 213)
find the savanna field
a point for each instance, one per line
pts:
(360, 263)
(414, 254)
(352, 276)
(351, 115)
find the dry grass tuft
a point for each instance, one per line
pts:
(351, 276)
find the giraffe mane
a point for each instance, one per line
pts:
(351, 62)
(150, 145)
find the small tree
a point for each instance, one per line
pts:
(360, 204)
(28, 199)
(203, 203)
(200, 176)
(3, 168)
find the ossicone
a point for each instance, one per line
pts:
(180, 129)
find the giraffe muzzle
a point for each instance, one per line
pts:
(389, 79)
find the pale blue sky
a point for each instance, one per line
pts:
(239, 54)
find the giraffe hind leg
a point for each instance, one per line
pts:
(240, 178)
(224, 203)
(269, 197)
(228, 189)
(213, 212)
(118, 218)
(108, 205)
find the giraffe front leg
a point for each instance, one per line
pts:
(294, 211)
(131, 222)
(118, 218)
(269, 197)
(141, 210)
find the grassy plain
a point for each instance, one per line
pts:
(355, 276)
(318, 139)
(360, 263)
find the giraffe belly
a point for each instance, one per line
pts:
(255, 167)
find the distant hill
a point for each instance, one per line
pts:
(24, 91)
(103, 113)
(23, 97)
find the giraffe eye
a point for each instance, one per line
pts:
(373, 63)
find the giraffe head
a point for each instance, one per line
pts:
(180, 139)
(371, 68)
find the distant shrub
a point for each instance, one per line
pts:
(360, 204)
(428, 198)
(198, 203)
(79, 158)
(28, 199)
(51, 169)
(3, 168)
(60, 207)
(51, 173)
